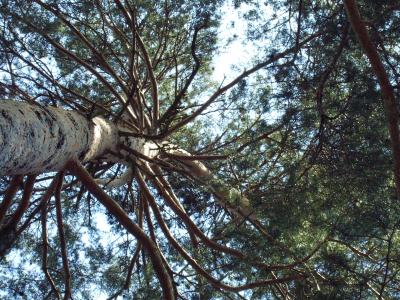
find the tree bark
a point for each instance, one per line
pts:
(389, 99)
(35, 139)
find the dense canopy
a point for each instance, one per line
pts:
(279, 178)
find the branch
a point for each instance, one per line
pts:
(117, 181)
(71, 55)
(353, 249)
(129, 273)
(91, 47)
(171, 111)
(235, 81)
(16, 217)
(189, 223)
(147, 60)
(61, 234)
(389, 98)
(8, 233)
(47, 195)
(45, 244)
(215, 282)
(114, 209)
(165, 190)
(9, 194)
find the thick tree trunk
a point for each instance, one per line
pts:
(36, 139)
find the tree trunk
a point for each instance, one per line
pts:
(35, 139)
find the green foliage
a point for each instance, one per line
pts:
(304, 139)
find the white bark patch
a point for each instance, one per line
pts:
(105, 137)
(194, 167)
(124, 178)
(146, 148)
(36, 139)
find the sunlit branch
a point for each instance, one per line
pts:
(117, 181)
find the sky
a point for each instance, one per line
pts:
(234, 53)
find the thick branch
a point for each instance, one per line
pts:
(9, 195)
(165, 280)
(389, 98)
(16, 217)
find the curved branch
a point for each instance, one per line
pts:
(216, 283)
(147, 60)
(389, 98)
(172, 109)
(166, 192)
(91, 47)
(118, 181)
(235, 81)
(172, 203)
(71, 55)
(23, 205)
(113, 208)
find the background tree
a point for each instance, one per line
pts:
(277, 182)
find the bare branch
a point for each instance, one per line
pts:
(235, 81)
